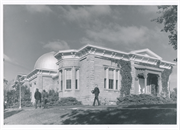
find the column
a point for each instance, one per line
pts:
(168, 89)
(73, 78)
(64, 77)
(159, 84)
(118, 81)
(107, 78)
(60, 73)
(114, 80)
(145, 83)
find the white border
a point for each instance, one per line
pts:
(85, 2)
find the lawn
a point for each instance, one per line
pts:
(157, 114)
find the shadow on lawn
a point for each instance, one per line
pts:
(10, 113)
(121, 116)
(153, 106)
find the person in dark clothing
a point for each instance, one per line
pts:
(45, 98)
(96, 93)
(37, 97)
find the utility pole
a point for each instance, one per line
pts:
(19, 95)
(19, 85)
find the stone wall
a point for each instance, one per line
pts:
(106, 96)
(86, 78)
(56, 84)
(91, 72)
(47, 83)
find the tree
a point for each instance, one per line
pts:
(173, 94)
(168, 17)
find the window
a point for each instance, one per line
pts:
(61, 85)
(104, 82)
(68, 84)
(77, 79)
(111, 79)
(76, 84)
(116, 84)
(68, 78)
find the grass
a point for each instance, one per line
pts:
(10, 113)
(94, 115)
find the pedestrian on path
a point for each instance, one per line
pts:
(45, 98)
(37, 97)
(96, 92)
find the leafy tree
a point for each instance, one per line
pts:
(168, 17)
(173, 94)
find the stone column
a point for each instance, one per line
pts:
(137, 89)
(159, 85)
(91, 78)
(114, 80)
(63, 79)
(118, 81)
(168, 89)
(107, 78)
(60, 73)
(73, 78)
(145, 83)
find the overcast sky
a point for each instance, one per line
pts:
(31, 31)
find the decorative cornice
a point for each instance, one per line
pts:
(148, 68)
(113, 54)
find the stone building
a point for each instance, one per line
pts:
(73, 73)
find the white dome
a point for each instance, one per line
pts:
(46, 61)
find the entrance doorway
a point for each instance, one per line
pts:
(152, 81)
(151, 84)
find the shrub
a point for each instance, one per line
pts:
(12, 98)
(173, 94)
(142, 99)
(53, 98)
(68, 101)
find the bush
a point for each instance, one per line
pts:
(142, 99)
(12, 98)
(173, 95)
(68, 101)
(53, 98)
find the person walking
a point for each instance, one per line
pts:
(96, 92)
(37, 97)
(45, 98)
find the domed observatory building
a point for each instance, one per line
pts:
(44, 75)
(74, 73)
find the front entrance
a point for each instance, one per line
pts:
(149, 84)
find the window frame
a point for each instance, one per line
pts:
(113, 84)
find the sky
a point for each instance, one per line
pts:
(32, 30)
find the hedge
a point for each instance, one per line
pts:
(142, 99)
